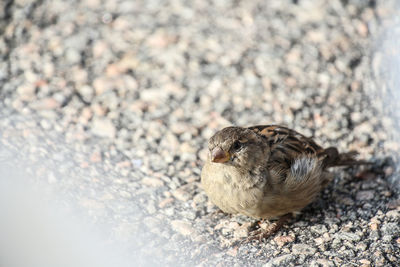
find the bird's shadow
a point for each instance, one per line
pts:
(354, 188)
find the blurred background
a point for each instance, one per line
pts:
(106, 108)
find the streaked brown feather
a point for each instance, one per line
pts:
(288, 144)
(294, 142)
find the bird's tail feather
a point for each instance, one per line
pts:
(336, 159)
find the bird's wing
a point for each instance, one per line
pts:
(287, 141)
(286, 145)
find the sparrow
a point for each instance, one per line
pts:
(267, 171)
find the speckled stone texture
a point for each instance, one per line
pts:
(110, 104)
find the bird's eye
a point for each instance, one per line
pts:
(236, 145)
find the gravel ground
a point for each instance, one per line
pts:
(109, 105)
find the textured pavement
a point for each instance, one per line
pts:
(106, 106)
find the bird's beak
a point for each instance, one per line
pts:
(220, 156)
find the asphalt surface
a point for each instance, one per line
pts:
(106, 108)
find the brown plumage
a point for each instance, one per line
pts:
(267, 171)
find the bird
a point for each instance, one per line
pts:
(268, 171)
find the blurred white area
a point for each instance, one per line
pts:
(385, 94)
(36, 230)
(386, 67)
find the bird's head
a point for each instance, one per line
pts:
(236, 146)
